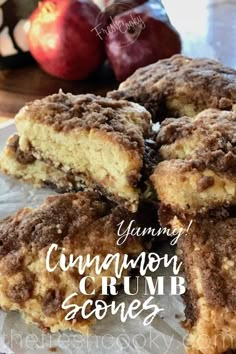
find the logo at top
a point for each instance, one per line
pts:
(119, 23)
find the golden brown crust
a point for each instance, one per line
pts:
(59, 218)
(189, 190)
(198, 168)
(97, 139)
(214, 134)
(199, 83)
(51, 223)
(67, 112)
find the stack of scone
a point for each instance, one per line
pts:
(195, 180)
(70, 143)
(106, 146)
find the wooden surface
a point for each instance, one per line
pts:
(18, 86)
(207, 28)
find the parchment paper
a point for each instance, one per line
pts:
(164, 335)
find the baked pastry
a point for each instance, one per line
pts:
(180, 86)
(199, 168)
(26, 167)
(208, 253)
(97, 139)
(80, 224)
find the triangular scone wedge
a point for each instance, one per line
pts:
(79, 224)
(179, 86)
(197, 171)
(100, 140)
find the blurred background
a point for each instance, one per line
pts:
(57, 44)
(207, 27)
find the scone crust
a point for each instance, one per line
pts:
(208, 252)
(126, 122)
(80, 224)
(180, 85)
(197, 171)
(98, 139)
(208, 140)
(186, 190)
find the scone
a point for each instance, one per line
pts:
(180, 86)
(208, 253)
(198, 171)
(98, 139)
(79, 224)
(26, 167)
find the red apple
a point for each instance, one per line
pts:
(139, 37)
(62, 38)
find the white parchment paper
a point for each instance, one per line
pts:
(163, 336)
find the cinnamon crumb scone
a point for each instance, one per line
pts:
(100, 140)
(199, 168)
(180, 86)
(208, 253)
(80, 224)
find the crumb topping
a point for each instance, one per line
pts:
(203, 82)
(211, 247)
(59, 219)
(126, 121)
(215, 129)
